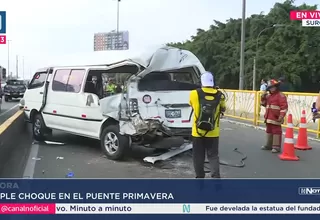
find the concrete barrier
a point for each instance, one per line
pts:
(15, 143)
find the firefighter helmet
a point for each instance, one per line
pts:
(273, 83)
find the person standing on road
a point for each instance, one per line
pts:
(276, 109)
(207, 104)
(263, 89)
(263, 86)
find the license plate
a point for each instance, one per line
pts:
(173, 113)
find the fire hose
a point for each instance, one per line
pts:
(222, 162)
(241, 164)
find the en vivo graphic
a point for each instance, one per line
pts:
(308, 18)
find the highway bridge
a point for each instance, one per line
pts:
(21, 156)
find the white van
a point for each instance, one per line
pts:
(151, 110)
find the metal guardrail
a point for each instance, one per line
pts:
(245, 105)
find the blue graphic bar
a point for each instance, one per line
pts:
(3, 21)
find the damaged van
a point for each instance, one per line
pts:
(149, 107)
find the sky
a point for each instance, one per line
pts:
(41, 30)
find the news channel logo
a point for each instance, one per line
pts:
(186, 208)
(2, 22)
(309, 191)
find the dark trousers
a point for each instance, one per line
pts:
(201, 147)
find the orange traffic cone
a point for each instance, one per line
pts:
(288, 152)
(302, 142)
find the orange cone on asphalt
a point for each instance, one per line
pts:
(302, 142)
(288, 152)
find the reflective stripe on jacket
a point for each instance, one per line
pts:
(276, 107)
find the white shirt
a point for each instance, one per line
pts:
(263, 87)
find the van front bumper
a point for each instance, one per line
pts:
(14, 94)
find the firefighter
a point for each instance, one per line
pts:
(111, 87)
(276, 108)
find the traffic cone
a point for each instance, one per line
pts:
(288, 152)
(302, 141)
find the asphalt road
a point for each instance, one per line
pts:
(83, 158)
(8, 109)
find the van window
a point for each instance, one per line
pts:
(67, 80)
(75, 80)
(182, 77)
(168, 81)
(38, 80)
(60, 80)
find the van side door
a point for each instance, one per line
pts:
(64, 98)
(34, 95)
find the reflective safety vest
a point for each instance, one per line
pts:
(111, 88)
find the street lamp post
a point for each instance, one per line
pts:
(118, 13)
(243, 34)
(255, 58)
(23, 67)
(17, 66)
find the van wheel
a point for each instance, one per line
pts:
(38, 128)
(114, 145)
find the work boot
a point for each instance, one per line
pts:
(275, 150)
(276, 143)
(268, 145)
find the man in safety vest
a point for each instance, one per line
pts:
(276, 108)
(111, 87)
(207, 103)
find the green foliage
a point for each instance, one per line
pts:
(288, 50)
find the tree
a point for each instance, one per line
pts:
(291, 50)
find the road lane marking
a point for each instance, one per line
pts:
(10, 109)
(9, 121)
(31, 163)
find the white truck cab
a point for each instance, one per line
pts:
(150, 108)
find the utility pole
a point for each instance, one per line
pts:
(243, 35)
(23, 67)
(118, 12)
(17, 67)
(8, 72)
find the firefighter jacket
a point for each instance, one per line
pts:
(276, 107)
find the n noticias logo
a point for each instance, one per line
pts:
(186, 208)
(314, 191)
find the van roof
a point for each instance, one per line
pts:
(161, 58)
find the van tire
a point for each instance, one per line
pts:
(38, 128)
(122, 142)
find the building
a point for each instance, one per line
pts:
(3, 73)
(111, 41)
